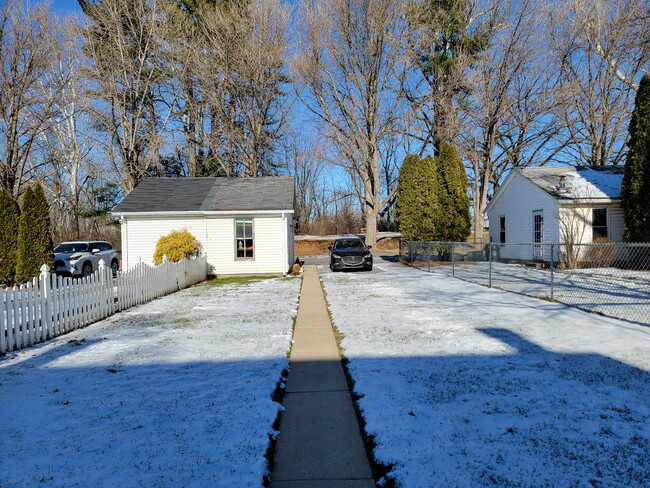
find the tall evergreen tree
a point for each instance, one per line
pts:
(9, 220)
(635, 187)
(416, 204)
(453, 220)
(449, 36)
(34, 235)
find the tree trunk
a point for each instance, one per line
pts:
(190, 129)
(370, 218)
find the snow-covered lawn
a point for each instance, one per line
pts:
(618, 293)
(465, 386)
(176, 392)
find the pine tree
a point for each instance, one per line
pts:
(34, 235)
(453, 219)
(416, 203)
(635, 187)
(9, 220)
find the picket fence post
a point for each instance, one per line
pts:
(46, 318)
(103, 299)
(3, 322)
(33, 312)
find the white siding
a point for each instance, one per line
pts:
(616, 222)
(273, 242)
(582, 214)
(270, 236)
(143, 233)
(517, 203)
(290, 240)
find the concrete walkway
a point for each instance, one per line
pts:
(319, 445)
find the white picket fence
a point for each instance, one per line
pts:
(52, 305)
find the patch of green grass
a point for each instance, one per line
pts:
(181, 320)
(237, 280)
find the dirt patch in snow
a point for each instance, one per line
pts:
(313, 247)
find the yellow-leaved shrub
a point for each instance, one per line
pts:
(176, 245)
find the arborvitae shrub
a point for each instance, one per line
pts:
(35, 246)
(416, 201)
(635, 187)
(9, 222)
(453, 220)
(178, 244)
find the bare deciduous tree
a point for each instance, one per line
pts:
(505, 118)
(601, 49)
(129, 66)
(244, 82)
(304, 160)
(26, 97)
(66, 142)
(573, 220)
(352, 67)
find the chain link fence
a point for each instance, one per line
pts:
(611, 278)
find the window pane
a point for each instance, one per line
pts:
(248, 229)
(599, 232)
(599, 217)
(240, 229)
(599, 223)
(240, 248)
(502, 230)
(249, 248)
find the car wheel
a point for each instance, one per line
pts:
(114, 268)
(87, 269)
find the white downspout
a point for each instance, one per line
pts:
(286, 245)
(125, 244)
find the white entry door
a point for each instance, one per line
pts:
(538, 233)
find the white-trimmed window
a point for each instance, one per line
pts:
(244, 239)
(599, 223)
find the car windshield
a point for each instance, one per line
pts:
(349, 245)
(72, 247)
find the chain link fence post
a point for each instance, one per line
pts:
(429, 254)
(490, 265)
(453, 261)
(552, 266)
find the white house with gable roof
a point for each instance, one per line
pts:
(244, 225)
(556, 204)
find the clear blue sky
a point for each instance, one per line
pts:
(65, 6)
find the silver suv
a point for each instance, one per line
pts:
(81, 258)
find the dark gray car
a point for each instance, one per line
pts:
(81, 258)
(350, 253)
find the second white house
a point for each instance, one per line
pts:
(556, 204)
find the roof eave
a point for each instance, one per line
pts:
(583, 201)
(196, 213)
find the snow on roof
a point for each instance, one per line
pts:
(588, 183)
(579, 181)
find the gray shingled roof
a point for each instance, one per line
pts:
(209, 194)
(273, 193)
(580, 181)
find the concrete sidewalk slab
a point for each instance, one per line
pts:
(318, 338)
(320, 442)
(316, 376)
(313, 355)
(322, 445)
